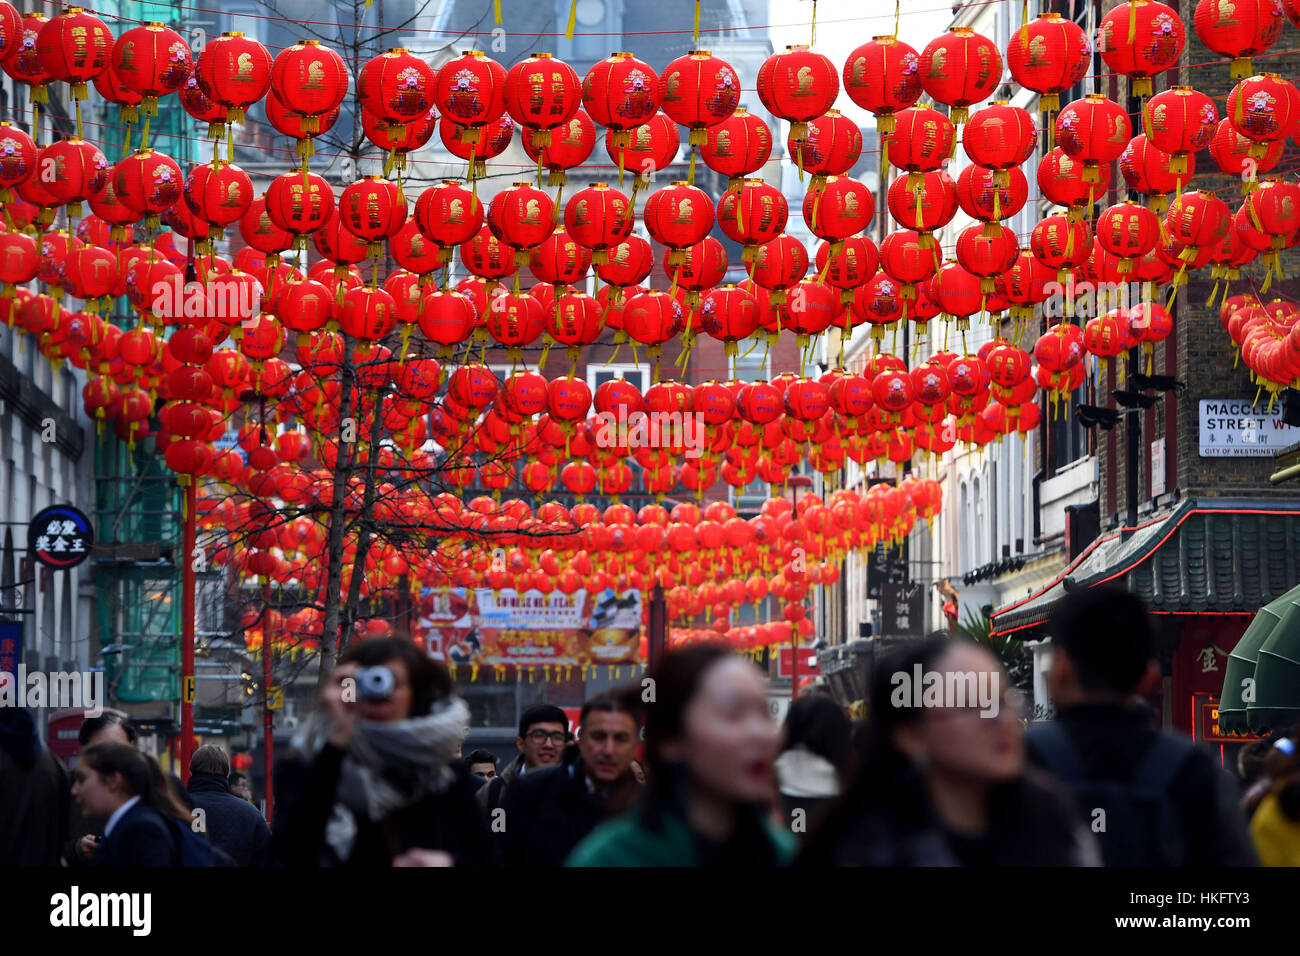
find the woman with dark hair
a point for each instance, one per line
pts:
(710, 744)
(944, 780)
(813, 757)
(372, 780)
(116, 783)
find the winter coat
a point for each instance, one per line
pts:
(35, 795)
(232, 824)
(140, 838)
(549, 811)
(1112, 742)
(1276, 836)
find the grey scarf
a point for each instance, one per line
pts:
(387, 766)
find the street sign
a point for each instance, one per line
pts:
(1239, 429)
(11, 647)
(60, 537)
(187, 689)
(807, 662)
(276, 700)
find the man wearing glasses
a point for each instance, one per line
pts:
(543, 731)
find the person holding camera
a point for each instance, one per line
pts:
(372, 780)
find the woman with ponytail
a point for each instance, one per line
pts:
(145, 822)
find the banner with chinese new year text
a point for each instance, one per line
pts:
(528, 629)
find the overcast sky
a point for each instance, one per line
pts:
(842, 25)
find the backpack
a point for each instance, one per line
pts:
(194, 850)
(1142, 824)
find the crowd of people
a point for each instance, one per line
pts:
(688, 769)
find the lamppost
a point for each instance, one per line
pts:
(796, 482)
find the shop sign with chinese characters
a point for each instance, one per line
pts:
(60, 537)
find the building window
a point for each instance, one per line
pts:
(598, 375)
(1067, 441)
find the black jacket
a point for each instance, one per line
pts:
(304, 798)
(1112, 741)
(80, 826)
(550, 811)
(233, 825)
(1032, 823)
(35, 794)
(140, 838)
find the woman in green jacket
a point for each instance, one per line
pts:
(711, 746)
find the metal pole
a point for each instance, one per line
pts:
(794, 625)
(657, 642)
(187, 625)
(268, 740)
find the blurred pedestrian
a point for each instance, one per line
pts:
(240, 788)
(482, 764)
(371, 780)
(111, 726)
(944, 780)
(230, 822)
(543, 732)
(144, 823)
(549, 812)
(33, 794)
(810, 768)
(1261, 764)
(710, 745)
(1275, 827)
(1159, 800)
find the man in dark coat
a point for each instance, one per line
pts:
(1166, 802)
(231, 823)
(34, 794)
(550, 811)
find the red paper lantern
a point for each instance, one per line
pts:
(1148, 169)
(1140, 39)
(1095, 130)
(448, 213)
(74, 48)
(598, 218)
(152, 61)
(398, 86)
(1264, 109)
(737, 147)
(147, 182)
(883, 76)
(310, 79)
(698, 91)
(23, 63)
(218, 193)
(1180, 121)
(650, 147)
(235, 71)
(678, 216)
(372, 209)
(960, 68)
(299, 202)
(621, 93)
(1129, 231)
(1049, 55)
(797, 86)
(1000, 137)
(1239, 29)
(839, 208)
(543, 93)
(923, 138)
(980, 198)
(522, 216)
(564, 152)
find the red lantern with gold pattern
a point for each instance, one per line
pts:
(1095, 130)
(883, 75)
(311, 79)
(1180, 121)
(397, 86)
(476, 144)
(1239, 29)
(1264, 109)
(839, 208)
(753, 214)
(17, 159)
(922, 140)
(373, 209)
(24, 65)
(855, 263)
(1148, 169)
(147, 182)
(448, 213)
(218, 193)
(367, 313)
(698, 91)
(522, 216)
(677, 216)
(152, 61)
(960, 68)
(258, 229)
(831, 148)
(779, 264)
(621, 93)
(487, 256)
(1198, 219)
(1061, 244)
(1000, 137)
(569, 146)
(299, 202)
(78, 168)
(924, 207)
(797, 86)
(448, 318)
(235, 71)
(74, 48)
(1231, 151)
(542, 93)
(729, 314)
(416, 252)
(1060, 179)
(560, 259)
(981, 199)
(628, 263)
(652, 317)
(1140, 39)
(650, 147)
(1127, 230)
(878, 301)
(1049, 55)
(11, 30)
(985, 255)
(597, 217)
(737, 147)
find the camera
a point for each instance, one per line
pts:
(375, 683)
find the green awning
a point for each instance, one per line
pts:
(1277, 675)
(1242, 661)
